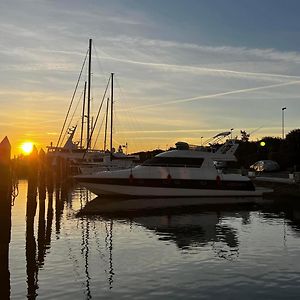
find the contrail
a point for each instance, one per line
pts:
(197, 69)
(215, 95)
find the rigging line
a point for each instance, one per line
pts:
(98, 61)
(133, 123)
(99, 133)
(69, 124)
(58, 142)
(95, 122)
(241, 91)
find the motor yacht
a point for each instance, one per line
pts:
(183, 172)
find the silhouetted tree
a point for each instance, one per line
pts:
(245, 136)
(293, 148)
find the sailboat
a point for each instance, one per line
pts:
(84, 159)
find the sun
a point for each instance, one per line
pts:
(27, 147)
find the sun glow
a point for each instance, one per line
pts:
(27, 147)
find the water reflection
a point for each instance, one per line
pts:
(31, 263)
(103, 240)
(288, 212)
(36, 252)
(41, 223)
(5, 234)
(85, 229)
(193, 231)
(110, 247)
(49, 220)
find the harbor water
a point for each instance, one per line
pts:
(236, 252)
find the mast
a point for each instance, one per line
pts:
(106, 117)
(89, 95)
(111, 114)
(83, 111)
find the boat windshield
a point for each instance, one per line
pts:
(185, 162)
(228, 167)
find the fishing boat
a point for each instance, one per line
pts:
(184, 172)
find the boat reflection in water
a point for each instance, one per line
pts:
(193, 231)
(124, 206)
(147, 251)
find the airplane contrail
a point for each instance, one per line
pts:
(198, 69)
(241, 91)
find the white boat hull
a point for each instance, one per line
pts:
(141, 191)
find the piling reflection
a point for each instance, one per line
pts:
(39, 185)
(5, 235)
(41, 223)
(110, 247)
(50, 213)
(58, 210)
(85, 230)
(31, 263)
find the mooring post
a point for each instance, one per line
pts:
(58, 172)
(5, 216)
(33, 177)
(49, 174)
(42, 167)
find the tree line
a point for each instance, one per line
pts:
(286, 152)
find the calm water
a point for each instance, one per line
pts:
(232, 254)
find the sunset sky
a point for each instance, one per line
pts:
(184, 69)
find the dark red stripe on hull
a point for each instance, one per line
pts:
(174, 183)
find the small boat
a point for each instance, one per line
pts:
(184, 172)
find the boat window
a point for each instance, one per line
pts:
(187, 162)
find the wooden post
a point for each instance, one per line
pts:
(5, 216)
(58, 172)
(42, 167)
(49, 175)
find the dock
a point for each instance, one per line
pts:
(285, 187)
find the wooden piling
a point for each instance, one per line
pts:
(5, 216)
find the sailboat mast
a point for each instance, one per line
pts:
(106, 117)
(111, 114)
(82, 119)
(89, 95)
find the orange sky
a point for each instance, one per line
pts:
(172, 83)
